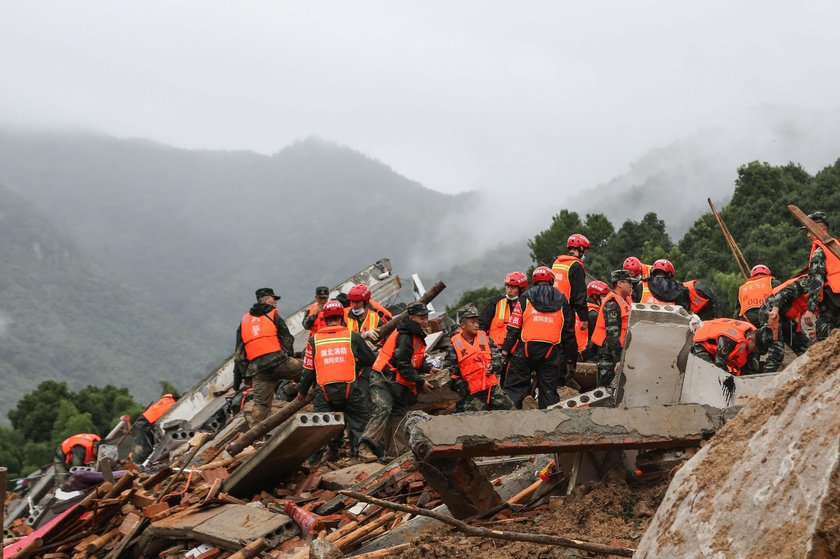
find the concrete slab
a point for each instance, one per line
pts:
(284, 451)
(709, 385)
(348, 477)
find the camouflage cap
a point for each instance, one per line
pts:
(417, 308)
(467, 311)
(322, 291)
(619, 275)
(818, 217)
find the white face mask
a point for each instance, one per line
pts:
(358, 312)
(512, 297)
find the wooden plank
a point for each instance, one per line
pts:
(815, 230)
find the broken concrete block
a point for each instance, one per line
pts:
(768, 484)
(350, 476)
(322, 549)
(285, 450)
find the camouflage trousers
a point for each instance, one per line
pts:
(352, 403)
(788, 334)
(482, 401)
(62, 468)
(143, 440)
(829, 316)
(390, 405)
(265, 383)
(606, 366)
(700, 351)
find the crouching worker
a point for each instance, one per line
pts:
(334, 356)
(473, 360)
(75, 451)
(144, 440)
(732, 345)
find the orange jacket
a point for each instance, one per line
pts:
(86, 440)
(599, 336)
(159, 408)
(259, 334)
(754, 292)
(561, 268)
(697, 300)
(832, 265)
(473, 359)
(386, 354)
(333, 359)
(498, 326)
(735, 330)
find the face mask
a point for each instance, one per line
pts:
(358, 312)
(512, 297)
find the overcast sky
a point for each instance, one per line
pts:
(457, 95)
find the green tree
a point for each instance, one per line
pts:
(167, 387)
(70, 421)
(105, 405)
(11, 450)
(479, 297)
(35, 413)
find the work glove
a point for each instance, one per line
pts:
(371, 335)
(694, 323)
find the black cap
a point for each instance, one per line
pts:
(322, 291)
(264, 292)
(417, 308)
(818, 217)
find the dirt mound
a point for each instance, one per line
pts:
(617, 514)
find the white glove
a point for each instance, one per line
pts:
(371, 335)
(694, 323)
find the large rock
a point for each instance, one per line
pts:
(768, 484)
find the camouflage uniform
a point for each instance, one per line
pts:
(480, 401)
(828, 309)
(789, 333)
(62, 467)
(610, 353)
(725, 346)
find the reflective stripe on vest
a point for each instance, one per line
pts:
(832, 265)
(259, 335)
(319, 319)
(647, 296)
(599, 336)
(85, 440)
(386, 355)
(333, 359)
(473, 359)
(645, 271)
(541, 327)
(159, 408)
(735, 330)
(498, 326)
(368, 323)
(798, 306)
(754, 292)
(561, 268)
(697, 300)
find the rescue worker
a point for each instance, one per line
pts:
(143, 433)
(570, 280)
(540, 338)
(663, 289)
(753, 293)
(473, 360)
(264, 352)
(364, 314)
(702, 299)
(611, 327)
(783, 311)
(595, 293)
(333, 358)
(74, 451)
(824, 282)
(312, 319)
(731, 345)
(495, 316)
(638, 273)
(396, 377)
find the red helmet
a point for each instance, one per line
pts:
(597, 288)
(517, 279)
(760, 270)
(542, 273)
(633, 265)
(359, 292)
(577, 241)
(332, 308)
(664, 265)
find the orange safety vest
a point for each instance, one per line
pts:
(319, 320)
(473, 359)
(386, 354)
(697, 300)
(798, 306)
(645, 271)
(85, 440)
(333, 359)
(735, 330)
(581, 333)
(541, 327)
(561, 268)
(832, 265)
(754, 292)
(259, 335)
(501, 317)
(159, 408)
(386, 314)
(647, 296)
(599, 336)
(370, 322)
